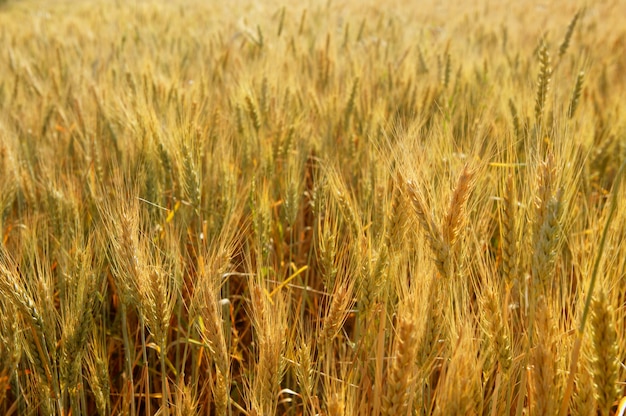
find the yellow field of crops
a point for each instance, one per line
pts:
(312, 208)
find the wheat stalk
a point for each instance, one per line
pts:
(509, 232)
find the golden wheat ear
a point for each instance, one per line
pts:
(605, 363)
(401, 374)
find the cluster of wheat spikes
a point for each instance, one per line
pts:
(330, 208)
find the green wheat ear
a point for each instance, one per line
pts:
(568, 35)
(543, 82)
(578, 87)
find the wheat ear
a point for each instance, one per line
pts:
(456, 215)
(605, 363)
(400, 375)
(543, 376)
(434, 236)
(543, 82)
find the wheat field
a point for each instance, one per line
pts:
(312, 208)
